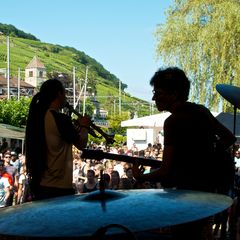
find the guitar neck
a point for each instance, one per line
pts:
(99, 155)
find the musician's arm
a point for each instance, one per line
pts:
(163, 172)
(226, 137)
(81, 140)
(68, 131)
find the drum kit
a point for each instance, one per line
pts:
(87, 216)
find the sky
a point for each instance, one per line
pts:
(118, 34)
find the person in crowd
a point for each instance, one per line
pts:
(237, 168)
(189, 126)
(119, 166)
(237, 160)
(77, 161)
(157, 154)
(129, 175)
(135, 154)
(109, 167)
(24, 194)
(5, 185)
(98, 168)
(125, 183)
(149, 147)
(134, 148)
(90, 185)
(22, 159)
(141, 153)
(148, 154)
(115, 180)
(13, 172)
(87, 166)
(80, 173)
(50, 136)
(15, 161)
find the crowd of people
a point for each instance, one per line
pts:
(14, 181)
(116, 175)
(86, 172)
(14, 188)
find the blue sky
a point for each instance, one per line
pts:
(118, 34)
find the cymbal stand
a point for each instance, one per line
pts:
(233, 222)
(102, 190)
(234, 119)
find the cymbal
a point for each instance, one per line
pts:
(82, 215)
(230, 93)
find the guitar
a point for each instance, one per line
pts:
(99, 155)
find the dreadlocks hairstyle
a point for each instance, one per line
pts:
(36, 151)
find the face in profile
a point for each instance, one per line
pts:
(163, 99)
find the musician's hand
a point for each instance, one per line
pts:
(137, 170)
(84, 121)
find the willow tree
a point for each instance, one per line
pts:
(203, 38)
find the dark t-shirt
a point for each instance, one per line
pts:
(189, 130)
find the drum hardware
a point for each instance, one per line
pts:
(232, 95)
(101, 232)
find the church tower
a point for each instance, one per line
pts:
(35, 72)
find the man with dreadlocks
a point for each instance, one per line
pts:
(50, 136)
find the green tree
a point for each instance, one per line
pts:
(115, 123)
(14, 112)
(203, 38)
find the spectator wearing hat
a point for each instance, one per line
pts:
(5, 185)
(13, 172)
(15, 161)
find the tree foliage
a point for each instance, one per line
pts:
(203, 38)
(9, 29)
(14, 112)
(115, 123)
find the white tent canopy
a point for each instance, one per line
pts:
(155, 120)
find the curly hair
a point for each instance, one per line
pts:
(172, 79)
